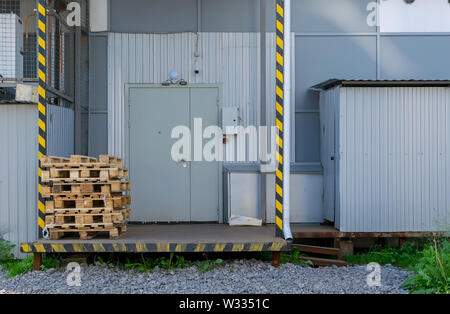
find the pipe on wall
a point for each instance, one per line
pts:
(287, 122)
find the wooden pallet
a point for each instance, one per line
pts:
(99, 190)
(107, 159)
(97, 210)
(53, 160)
(95, 188)
(81, 161)
(91, 201)
(54, 174)
(88, 233)
(81, 219)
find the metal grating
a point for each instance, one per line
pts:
(10, 6)
(29, 56)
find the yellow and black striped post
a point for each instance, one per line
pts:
(279, 116)
(42, 106)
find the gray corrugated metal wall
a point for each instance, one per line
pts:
(18, 173)
(230, 60)
(18, 165)
(60, 127)
(394, 159)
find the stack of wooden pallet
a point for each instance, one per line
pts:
(85, 196)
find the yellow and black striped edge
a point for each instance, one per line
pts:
(42, 106)
(159, 247)
(279, 116)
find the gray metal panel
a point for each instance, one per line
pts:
(153, 16)
(18, 174)
(204, 174)
(230, 16)
(341, 16)
(60, 131)
(415, 57)
(307, 137)
(230, 60)
(324, 57)
(159, 185)
(98, 134)
(98, 65)
(394, 168)
(319, 59)
(306, 198)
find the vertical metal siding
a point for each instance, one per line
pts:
(18, 165)
(394, 146)
(18, 173)
(230, 60)
(60, 139)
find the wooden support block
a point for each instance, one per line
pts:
(106, 189)
(82, 203)
(45, 174)
(116, 187)
(87, 188)
(37, 261)
(76, 189)
(85, 173)
(59, 220)
(49, 219)
(346, 248)
(57, 188)
(49, 205)
(54, 173)
(46, 189)
(104, 174)
(276, 259)
(74, 174)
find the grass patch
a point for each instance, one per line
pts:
(405, 257)
(431, 264)
(147, 264)
(15, 266)
(292, 257)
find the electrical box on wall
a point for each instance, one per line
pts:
(230, 119)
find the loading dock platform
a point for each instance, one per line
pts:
(170, 238)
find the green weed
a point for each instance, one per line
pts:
(293, 257)
(146, 264)
(405, 257)
(432, 270)
(209, 265)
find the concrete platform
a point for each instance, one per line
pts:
(171, 238)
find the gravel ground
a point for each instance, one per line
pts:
(238, 276)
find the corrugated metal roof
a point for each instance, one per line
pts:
(380, 83)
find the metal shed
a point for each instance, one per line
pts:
(386, 155)
(19, 172)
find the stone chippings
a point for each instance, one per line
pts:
(247, 276)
